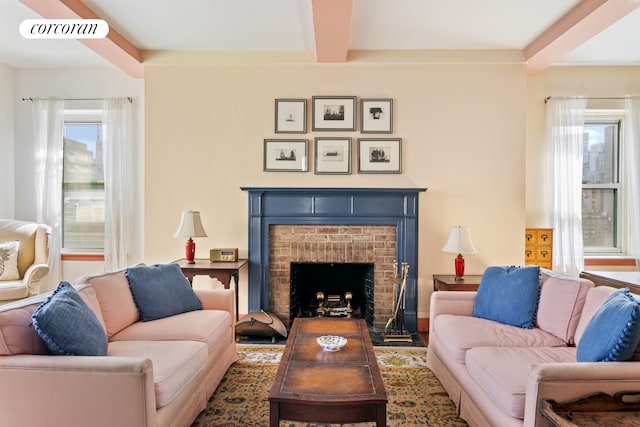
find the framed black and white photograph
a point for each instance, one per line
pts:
(380, 155)
(333, 156)
(286, 155)
(376, 115)
(333, 113)
(291, 116)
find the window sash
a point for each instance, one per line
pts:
(83, 201)
(617, 216)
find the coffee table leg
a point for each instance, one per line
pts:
(381, 419)
(274, 414)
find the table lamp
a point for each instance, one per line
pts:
(459, 243)
(190, 226)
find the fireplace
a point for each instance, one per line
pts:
(332, 225)
(332, 290)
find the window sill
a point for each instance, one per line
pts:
(612, 261)
(82, 256)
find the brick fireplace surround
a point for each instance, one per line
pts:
(331, 243)
(370, 225)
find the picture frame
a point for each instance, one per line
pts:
(291, 116)
(380, 155)
(286, 155)
(331, 113)
(376, 115)
(332, 156)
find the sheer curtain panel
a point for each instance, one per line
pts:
(118, 182)
(565, 127)
(632, 174)
(48, 128)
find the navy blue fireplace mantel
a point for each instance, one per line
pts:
(336, 206)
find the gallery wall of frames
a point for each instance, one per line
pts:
(332, 155)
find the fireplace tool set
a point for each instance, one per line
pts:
(394, 329)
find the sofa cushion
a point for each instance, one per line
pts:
(13, 290)
(68, 325)
(460, 333)
(9, 260)
(161, 290)
(207, 326)
(17, 334)
(509, 295)
(502, 371)
(561, 301)
(595, 297)
(175, 363)
(614, 330)
(116, 301)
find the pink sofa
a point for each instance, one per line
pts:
(497, 374)
(156, 373)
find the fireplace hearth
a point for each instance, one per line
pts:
(377, 226)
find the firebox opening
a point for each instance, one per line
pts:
(333, 280)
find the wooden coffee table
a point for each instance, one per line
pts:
(339, 387)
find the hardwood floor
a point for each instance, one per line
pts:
(424, 336)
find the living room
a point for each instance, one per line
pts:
(471, 123)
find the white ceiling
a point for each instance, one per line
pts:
(287, 25)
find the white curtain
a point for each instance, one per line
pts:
(48, 128)
(565, 128)
(632, 174)
(119, 182)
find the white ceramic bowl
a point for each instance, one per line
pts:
(331, 342)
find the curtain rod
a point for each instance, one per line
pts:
(585, 97)
(74, 99)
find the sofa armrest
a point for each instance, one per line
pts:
(77, 391)
(458, 303)
(564, 382)
(218, 299)
(33, 278)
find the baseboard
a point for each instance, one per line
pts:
(423, 324)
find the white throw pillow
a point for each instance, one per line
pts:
(9, 260)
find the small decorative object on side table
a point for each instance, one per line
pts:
(449, 282)
(223, 271)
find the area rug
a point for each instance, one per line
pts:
(416, 397)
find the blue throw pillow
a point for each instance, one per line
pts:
(509, 295)
(161, 290)
(613, 332)
(68, 325)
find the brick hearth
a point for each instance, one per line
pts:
(331, 243)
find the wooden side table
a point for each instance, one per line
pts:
(223, 271)
(448, 282)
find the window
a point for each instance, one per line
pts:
(83, 182)
(602, 204)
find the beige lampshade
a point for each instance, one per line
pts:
(190, 225)
(459, 241)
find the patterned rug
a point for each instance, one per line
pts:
(416, 397)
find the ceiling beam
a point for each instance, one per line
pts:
(585, 20)
(115, 48)
(332, 26)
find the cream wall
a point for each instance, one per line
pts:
(594, 82)
(7, 142)
(462, 124)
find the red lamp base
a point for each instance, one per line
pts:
(459, 263)
(190, 251)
